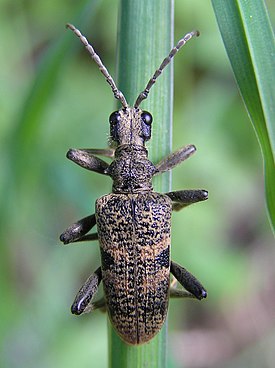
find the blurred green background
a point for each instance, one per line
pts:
(52, 98)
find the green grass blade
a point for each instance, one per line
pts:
(144, 39)
(249, 42)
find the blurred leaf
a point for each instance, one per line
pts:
(249, 42)
(25, 136)
(26, 131)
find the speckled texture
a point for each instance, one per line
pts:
(133, 222)
(134, 235)
(131, 170)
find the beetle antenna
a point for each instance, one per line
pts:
(117, 93)
(144, 94)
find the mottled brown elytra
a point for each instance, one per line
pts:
(133, 222)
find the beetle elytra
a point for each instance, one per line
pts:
(133, 222)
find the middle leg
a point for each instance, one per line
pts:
(183, 198)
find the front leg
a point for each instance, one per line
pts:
(175, 158)
(83, 300)
(86, 159)
(188, 281)
(78, 230)
(183, 198)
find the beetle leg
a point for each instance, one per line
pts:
(174, 292)
(183, 198)
(77, 231)
(188, 281)
(86, 159)
(83, 300)
(179, 293)
(88, 237)
(106, 152)
(175, 158)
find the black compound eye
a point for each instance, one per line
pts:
(114, 118)
(146, 117)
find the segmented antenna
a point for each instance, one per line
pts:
(143, 95)
(117, 93)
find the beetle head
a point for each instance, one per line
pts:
(130, 126)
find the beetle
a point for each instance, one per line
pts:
(133, 222)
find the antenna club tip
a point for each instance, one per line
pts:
(69, 26)
(196, 33)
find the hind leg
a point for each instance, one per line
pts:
(83, 300)
(194, 288)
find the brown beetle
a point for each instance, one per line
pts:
(133, 222)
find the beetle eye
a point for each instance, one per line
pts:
(114, 118)
(146, 117)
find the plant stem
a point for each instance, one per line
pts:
(145, 37)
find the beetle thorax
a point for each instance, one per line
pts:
(131, 170)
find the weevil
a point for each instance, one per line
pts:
(133, 222)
